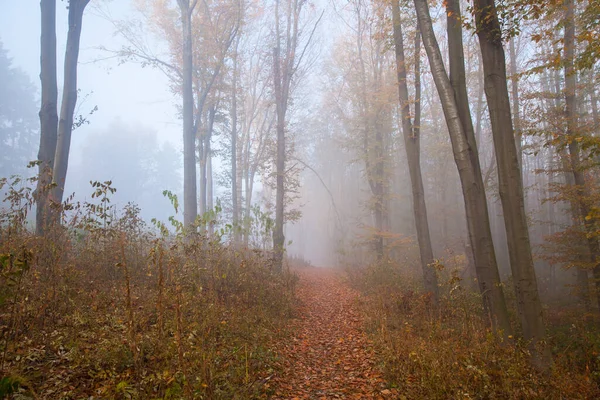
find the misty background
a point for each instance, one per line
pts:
(133, 138)
(132, 135)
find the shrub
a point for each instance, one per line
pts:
(449, 353)
(105, 306)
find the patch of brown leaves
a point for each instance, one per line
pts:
(328, 356)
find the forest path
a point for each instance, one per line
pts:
(329, 356)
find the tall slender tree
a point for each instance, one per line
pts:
(287, 58)
(510, 181)
(69, 99)
(281, 82)
(190, 208)
(516, 106)
(235, 205)
(577, 180)
(411, 133)
(48, 113)
(466, 158)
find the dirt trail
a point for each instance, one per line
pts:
(329, 357)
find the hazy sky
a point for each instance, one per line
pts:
(129, 92)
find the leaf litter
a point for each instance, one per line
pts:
(328, 356)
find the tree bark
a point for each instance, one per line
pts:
(204, 152)
(69, 99)
(595, 114)
(203, 177)
(209, 170)
(190, 207)
(411, 135)
(582, 190)
(465, 156)
(456, 64)
(510, 181)
(48, 113)
(516, 109)
(202, 203)
(283, 70)
(278, 236)
(209, 186)
(234, 151)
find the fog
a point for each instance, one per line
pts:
(343, 96)
(299, 199)
(134, 105)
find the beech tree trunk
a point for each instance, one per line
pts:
(190, 207)
(209, 186)
(516, 109)
(595, 114)
(510, 181)
(465, 156)
(234, 151)
(582, 190)
(247, 212)
(204, 159)
(48, 113)
(203, 177)
(411, 135)
(284, 66)
(375, 160)
(456, 64)
(209, 170)
(69, 99)
(278, 236)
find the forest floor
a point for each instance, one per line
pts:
(329, 355)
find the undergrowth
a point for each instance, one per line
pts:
(449, 353)
(104, 306)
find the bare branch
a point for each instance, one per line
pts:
(308, 42)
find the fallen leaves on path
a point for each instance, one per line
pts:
(328, 356)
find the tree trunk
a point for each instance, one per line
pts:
(510, 182)
(48, 113)
(377, 180)
(209, 168)
(514, 80)
(479, 110)
(278, 237)
(190, 208)
(202, 174)
(209, 186)
(411, 135)
(204, 160)
(456, 64)
(69, 100)
(203, 177)
(247, 211)
(234, 151)
(280, 83)
(595, 115)
(582, 191)
(284, 67)
(562, 163)
(465, 156)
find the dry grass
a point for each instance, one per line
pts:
(449, 353)
(103, 307)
